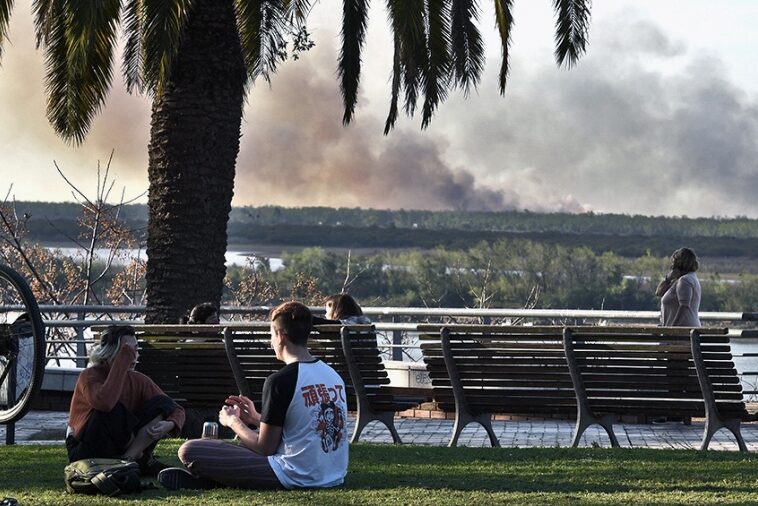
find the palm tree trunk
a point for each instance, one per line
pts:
(194, 142)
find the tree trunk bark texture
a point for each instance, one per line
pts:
(194, 142)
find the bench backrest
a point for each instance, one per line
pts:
(368, 373)
(498, 369)
(251, 358)
(647, 370)
(718, 375)
(188, 362)
(255, 360)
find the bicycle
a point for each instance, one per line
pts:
(22, 346)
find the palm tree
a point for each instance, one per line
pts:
(197, 58)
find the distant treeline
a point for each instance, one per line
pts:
(504, 274)
(375, 237)
(625, 235)
(505, 221)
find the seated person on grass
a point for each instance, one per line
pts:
(301, 440)
(117, 412)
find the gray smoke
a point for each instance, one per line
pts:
(296, 152)
(638, 126)
(641, 125)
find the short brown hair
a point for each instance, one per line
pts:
(294, 318)
(343, 306)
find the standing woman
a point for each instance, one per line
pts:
(680, 291)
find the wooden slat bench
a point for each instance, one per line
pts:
(251, 358)
(654, 371)
(376, 399)
(188, 362)
(480, 370)
(359, 364)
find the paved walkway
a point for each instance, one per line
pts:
(48, 427)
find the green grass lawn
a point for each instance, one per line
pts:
(384, 474)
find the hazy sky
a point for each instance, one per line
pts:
(660, 117)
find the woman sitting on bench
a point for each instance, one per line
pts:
(117, 412)
(342, 308)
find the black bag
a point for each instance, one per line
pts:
(102, 476)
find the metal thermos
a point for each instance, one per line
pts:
(210, 430)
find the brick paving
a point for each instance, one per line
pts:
(48, 427)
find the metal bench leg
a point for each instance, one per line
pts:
(461, 420)
(710, 429)
(388, 419)
(734, 428)
(464, 418)
(607, 423)
(485, 420)
(366, 416)
(583, 420)
(361, 421)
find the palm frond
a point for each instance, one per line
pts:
(133, 49)
(274, 27)
(249, 25)
(6, 6)
(297, 10)
(571, 30)
(408, 20)
(79, 57)
(262, 26)
(397, 70)
(56, 66)
(467, 46)
(42, 25)
(436, 79)
(354, 20)
(504, 22)
(162, 26)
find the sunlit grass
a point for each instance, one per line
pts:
(384, 474)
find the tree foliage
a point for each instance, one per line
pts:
(506, 274)
(79, 39)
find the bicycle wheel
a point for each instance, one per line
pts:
(22, 346)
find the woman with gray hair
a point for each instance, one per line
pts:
(680, 291)
(117, 412)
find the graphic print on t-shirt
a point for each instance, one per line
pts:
(328, 417)
(330, 426)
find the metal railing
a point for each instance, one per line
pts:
(395, 320)
(68, 334)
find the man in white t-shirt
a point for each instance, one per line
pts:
(301, 441)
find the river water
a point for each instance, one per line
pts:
(233, 256)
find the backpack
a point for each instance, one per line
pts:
(102, 476)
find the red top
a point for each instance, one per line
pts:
(100, 387)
